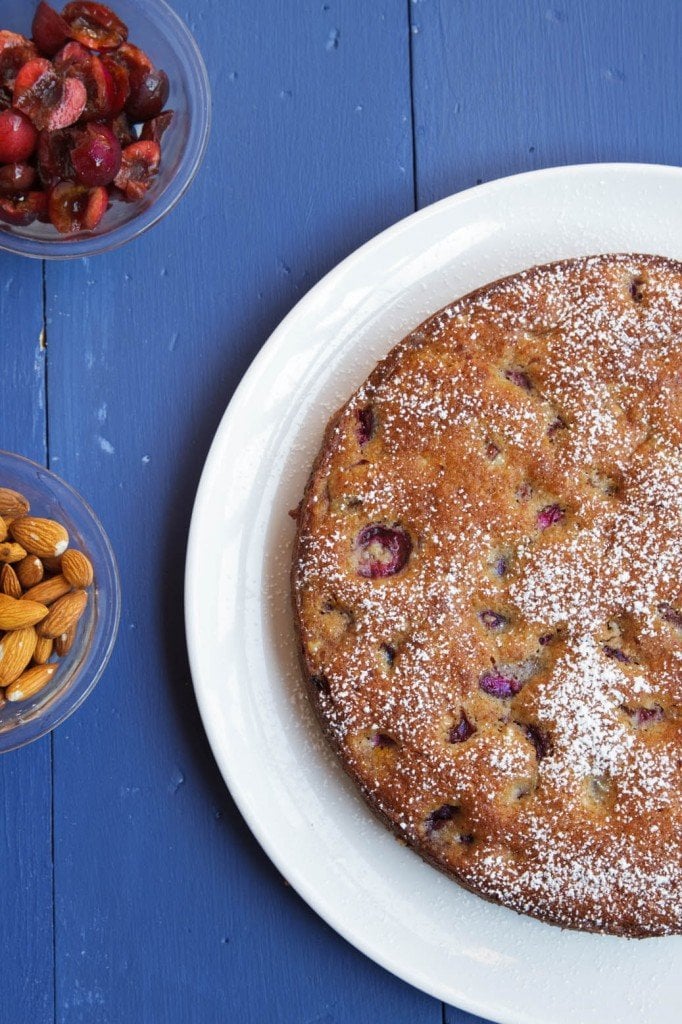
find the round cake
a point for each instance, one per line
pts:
(488, 592)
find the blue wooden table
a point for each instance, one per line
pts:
(132, 891)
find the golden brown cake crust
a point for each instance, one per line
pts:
(488, 595)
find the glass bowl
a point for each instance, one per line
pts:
(157, 29)
(78, 672)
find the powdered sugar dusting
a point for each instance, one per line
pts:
(528, 442)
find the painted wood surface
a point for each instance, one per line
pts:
(139, 894)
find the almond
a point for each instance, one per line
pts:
(77, 568)
(43, 537)
(64, 614)
(48, 591)
(31, 682)
(64, 643)
(9, 582)
(3, 529)
(30, 571)
(20, 614)
(43, 650)
(12, 503)
(11, 552)
(16, 650)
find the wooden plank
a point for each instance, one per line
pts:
(166, 908)
(500, 88)
(504, 87)
(25, 775)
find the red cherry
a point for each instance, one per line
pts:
(132, 57)
(16, 178)
(549, 515)
(382, 551)
(461, 732)
(148, 94)
(15, 51)
(51, 100)
(71, 54)
(153, 130)
(18, 137)
(28, 75)
(365, 424)
(498, 685)
(118, 86)
(54, 156)
(95, 26)
(23, 209)
(123, 130)
(75, 208)
(97, 157)
(139, 166)
(50, 31)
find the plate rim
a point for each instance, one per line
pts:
(296, 877)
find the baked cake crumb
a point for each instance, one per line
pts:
(488, 592)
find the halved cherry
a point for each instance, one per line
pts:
(54, 156)
(15, 51)
(132, 57)
(71, 54)
(75, 208)
(16, 178)
(118, 86)
(23, 209)
(95, 26)
(153, 131)
(139, 166)
(98, 82)
(50, 31)
(123, 130)
(96, 158)
(382, 550)
(148, 94)
(28, 75)
(18, 137)
(51, 100)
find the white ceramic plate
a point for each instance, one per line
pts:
(296, 799)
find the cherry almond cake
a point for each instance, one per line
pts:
(488, 592)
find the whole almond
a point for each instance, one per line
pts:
(16, 650)
(31, 682)
(20, 614)
(9, 582)
(43, 537)
(64, 643)
(77, 568)
(64, 614)
(49, 590)
(12, 503)
(30, 571)
(11, 552)
(43, 650)
(3, 529)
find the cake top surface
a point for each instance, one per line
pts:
(488, 595)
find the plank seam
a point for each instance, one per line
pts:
(46, 443)
(410, 46)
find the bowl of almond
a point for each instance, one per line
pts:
(59, 600)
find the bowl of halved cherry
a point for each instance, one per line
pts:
(104, 121)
